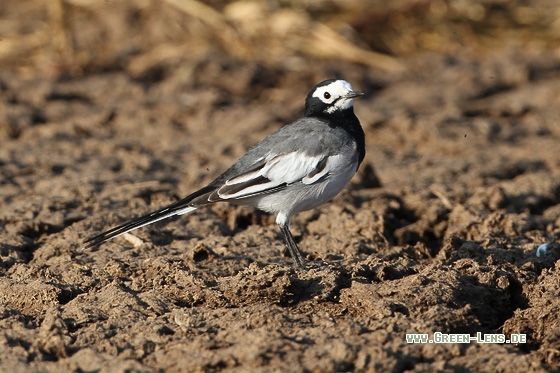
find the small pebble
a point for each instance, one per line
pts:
(542, 250)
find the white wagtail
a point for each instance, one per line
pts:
(300, 166)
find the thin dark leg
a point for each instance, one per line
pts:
(293, 247)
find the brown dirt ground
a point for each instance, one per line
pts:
(437, 232)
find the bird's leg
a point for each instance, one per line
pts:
(292, 246)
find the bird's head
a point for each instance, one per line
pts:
(330, 97)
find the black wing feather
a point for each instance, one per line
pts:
(152, 217)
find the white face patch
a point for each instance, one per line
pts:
(334, 93)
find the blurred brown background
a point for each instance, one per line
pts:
(111, 109)
(73, 37)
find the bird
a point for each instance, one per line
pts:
(296, 168)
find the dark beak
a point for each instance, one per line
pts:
(353, 94)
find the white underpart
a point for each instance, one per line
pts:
(287, 168)
(331, 165)
(324, 189)
(336, 89)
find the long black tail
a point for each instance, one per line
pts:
(180, 207)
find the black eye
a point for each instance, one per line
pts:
(327, 95)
